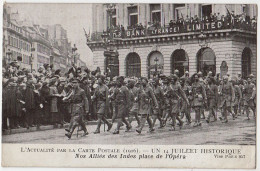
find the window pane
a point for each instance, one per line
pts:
(156, 17)
(133, 20)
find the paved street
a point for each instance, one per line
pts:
(235, 132)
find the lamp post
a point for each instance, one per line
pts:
(31, 58)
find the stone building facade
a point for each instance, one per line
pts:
(210, 47)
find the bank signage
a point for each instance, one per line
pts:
(152, 31)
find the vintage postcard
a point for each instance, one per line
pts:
(159, 85)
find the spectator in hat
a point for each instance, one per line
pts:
(29, 101)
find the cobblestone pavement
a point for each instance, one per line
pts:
(236, 132)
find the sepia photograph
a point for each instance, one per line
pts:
(166, 74)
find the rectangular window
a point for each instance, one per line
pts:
(179, 11)
(12, 41)
(206, 10)
(155, 13)
(113, 19)
(132, 15)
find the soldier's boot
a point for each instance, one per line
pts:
(208, 118)
(247, 113)
(119, 123)
(70, 126)
(173, 124)
(161, 122)
(180, 121)
(225, 120)
(202, 114)
(109, 125)
(97, 131)
(83, 126)
(154, 118)
(195, 124)
(188, 117)
(150, 123)
(128, 125)
(253, 109)
(69, 134)
(138, 120)
(142, 123)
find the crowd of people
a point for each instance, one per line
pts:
(229, 21)
(32, 99)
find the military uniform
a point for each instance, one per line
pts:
(227, 97)
(157, 114)
(145, 96)
(79, 103)
(175, 97)
(133, 105)
(249, 97)
(101, 97)
(113, 103)
(198, 100)
(185, 108)
(122, 102)
(238, 97)
(212, 96)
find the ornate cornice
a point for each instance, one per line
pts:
(171, 38)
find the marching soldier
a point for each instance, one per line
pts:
(176, 95)
(112, 90)
(212, 96)
(201, 80)
(79, 103)
(101, 96)
(145, 96)
(158, 92)
(122, 101)
(185, 108)
(249, 96)
(167, 102)
(238, 96)
(198, 98)
(134, 106)
(227, 97)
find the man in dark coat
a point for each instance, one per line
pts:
(29, 101)
(11, 102)
(45, 94)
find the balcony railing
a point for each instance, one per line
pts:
(181, 26)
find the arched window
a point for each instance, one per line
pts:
(180, 61)
(155, 64)
(206, 61)
(133, 65)
(246, 62)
